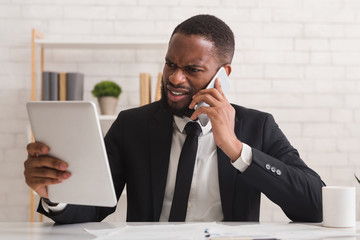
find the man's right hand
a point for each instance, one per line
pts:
(42, 170)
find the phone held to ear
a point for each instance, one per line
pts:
(225, 86)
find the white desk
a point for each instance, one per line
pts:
(48, 231)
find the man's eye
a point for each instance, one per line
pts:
(171, 65)
(191, 69)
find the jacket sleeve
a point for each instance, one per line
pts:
(77, 214)
(278, 171)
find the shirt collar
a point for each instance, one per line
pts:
(180, 123)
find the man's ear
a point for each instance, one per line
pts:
(227, 69)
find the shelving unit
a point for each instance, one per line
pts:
(123, 43)
(38, 40)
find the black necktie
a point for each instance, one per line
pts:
(185, 173)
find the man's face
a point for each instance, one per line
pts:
(190, 65)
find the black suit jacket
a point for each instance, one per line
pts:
(138, 146)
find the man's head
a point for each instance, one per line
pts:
(198, 47)
(214, 30)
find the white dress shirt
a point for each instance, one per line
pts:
(204, 202)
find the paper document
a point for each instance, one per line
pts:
(149, 232)
(220, 231)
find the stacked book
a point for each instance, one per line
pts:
(62, 86)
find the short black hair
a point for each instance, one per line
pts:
(214, 30)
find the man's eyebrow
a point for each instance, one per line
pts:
(194, 65)
(186, 66)
(168, 60)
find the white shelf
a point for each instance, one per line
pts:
(90, 43)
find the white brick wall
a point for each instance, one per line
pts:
(298, 59)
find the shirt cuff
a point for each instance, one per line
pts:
(60, 207)
(245, 159)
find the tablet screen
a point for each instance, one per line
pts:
(72, 131)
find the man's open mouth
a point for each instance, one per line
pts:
(178, 93)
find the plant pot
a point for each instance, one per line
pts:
(107, 105)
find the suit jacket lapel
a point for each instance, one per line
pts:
(227, 177)
(161, 135)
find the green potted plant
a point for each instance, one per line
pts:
(107, 92)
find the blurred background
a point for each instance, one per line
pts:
(297, 59)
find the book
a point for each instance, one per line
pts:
(45, 86)
(145, 88)
(74, 86)
(54, 86)
(62, 86)
(158, 87)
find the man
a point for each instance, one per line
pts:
(241, 152)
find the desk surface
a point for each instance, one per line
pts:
(49, 231)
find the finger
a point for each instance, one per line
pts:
(213, 91)
(50, 173)
(202, 110)
(207, 98)
(37, 182)
(37, 148)
(46, 161)
(218, 86)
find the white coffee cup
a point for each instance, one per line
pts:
(339, 206)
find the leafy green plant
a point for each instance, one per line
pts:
(357, 178)
(106, 88)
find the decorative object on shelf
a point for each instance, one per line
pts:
(74, 86)
(107, 92)
(62, 86)
(50, 86)
(357, 178)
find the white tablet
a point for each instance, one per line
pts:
(72, 131)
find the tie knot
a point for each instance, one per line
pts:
(192, 128)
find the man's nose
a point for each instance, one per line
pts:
(177, 77)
